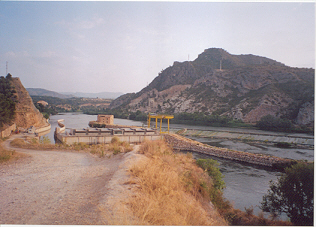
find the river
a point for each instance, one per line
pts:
(245, 184)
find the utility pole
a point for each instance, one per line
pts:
(220, 65)
(6, 68)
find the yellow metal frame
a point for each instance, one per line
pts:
(159, 116)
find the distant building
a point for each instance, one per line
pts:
(105, 119)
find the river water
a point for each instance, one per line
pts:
(245, 184)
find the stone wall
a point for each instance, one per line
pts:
(7, 132)
(182, 143)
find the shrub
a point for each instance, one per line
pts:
(293, 194)
(211, 167)
(115, 139)
(283, 145)
(274, 124)
(45, 140)
(80, 146)
(119, 147)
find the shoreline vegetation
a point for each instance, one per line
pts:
(267, 123)
(171, 188)
(95, 106)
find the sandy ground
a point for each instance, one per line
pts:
(64, 188)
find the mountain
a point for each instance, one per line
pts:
(44, 92)
(104, 95)
(245, 87)
(65, 95)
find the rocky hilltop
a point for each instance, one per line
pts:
(244, 87)
(26, 113)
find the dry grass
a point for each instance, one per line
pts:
(119, 147)
(33, 143)
(102, 150)
(5, 155)
(8, 155)
(172, 190)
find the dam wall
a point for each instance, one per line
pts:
(44, 128)
(135, 139)
(184, 144)
(105, 135)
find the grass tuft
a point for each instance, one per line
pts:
(116, 146)
(5, 155)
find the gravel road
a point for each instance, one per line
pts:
(63, 188)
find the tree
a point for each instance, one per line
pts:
(272, 123)
(293, 194)
(211, 167)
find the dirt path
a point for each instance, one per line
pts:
(62, 187)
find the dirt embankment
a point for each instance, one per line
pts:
(64, 188)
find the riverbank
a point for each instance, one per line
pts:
(185, 144)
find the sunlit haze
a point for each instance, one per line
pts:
(122, 46)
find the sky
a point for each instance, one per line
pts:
(115, 46)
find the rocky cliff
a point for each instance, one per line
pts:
(245, 87)
(26, 113)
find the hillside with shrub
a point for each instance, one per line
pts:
(8, 101)
(239, 87)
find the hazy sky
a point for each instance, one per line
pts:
(122, 46)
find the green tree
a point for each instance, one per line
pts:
(211, 167)
(293, 194)
(272, 123)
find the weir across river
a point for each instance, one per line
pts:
(184, 144)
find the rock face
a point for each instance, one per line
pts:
(244, 87)
(306, 114)
(26, 113)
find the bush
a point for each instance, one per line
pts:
(271, 123)
(45, 140)
(293, 194)
(211, 167)
(115, 139)
(283, 145)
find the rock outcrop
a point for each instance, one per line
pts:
(26, 113)
(244, 87)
